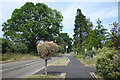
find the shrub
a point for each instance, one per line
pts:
(61, 49)
(20, 47)
(107, 64)
(90, 53)
(5, 58)
(78, 55)
(46, 51)
(9, 46)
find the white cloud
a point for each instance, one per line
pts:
(103, 14)
(92, 11)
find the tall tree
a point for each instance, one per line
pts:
(32, 23)
(101, 31)
(97, 36)
(81, 30)
(115, 35)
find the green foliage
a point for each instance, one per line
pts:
(78, 56)
(108, 63)
(114, 36)
(47, 50)
(31, 23)
(5, 58)
(9, 46)
(9, 57)
(82, 29)
(61, 49)
(90, 53)
(64, 40)
(96, 37)
(20, 48)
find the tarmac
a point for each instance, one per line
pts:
(74, 70)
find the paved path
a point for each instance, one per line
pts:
(74, 69)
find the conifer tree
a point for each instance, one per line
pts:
(80, 30)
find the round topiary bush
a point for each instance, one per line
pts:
(108, 63)
(46, 51)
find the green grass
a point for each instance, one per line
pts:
(60, 62)
(10, 57)
(42, 77)
(85, 61)
(88, 61)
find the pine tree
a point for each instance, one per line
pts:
(80, 30)
(101, 31)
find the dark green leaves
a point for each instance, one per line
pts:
(33, 22)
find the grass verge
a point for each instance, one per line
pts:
(60, 62)
(85, 61)
(51, 77)
(11, 57)
(88, 61)
(96, 76)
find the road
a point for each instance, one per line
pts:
(22, 69)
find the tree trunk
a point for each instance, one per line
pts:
(45, 68)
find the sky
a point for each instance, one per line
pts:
(106, 10)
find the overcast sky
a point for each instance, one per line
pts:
(106, 11)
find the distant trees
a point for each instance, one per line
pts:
(84, 34)
(114, 36)
(31, 23)
(64, 40)
(97, 36)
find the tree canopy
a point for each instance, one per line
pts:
(81, 30)
(64, 40)
(31, 23)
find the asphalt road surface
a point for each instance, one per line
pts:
(22, 69)
(74, 70)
